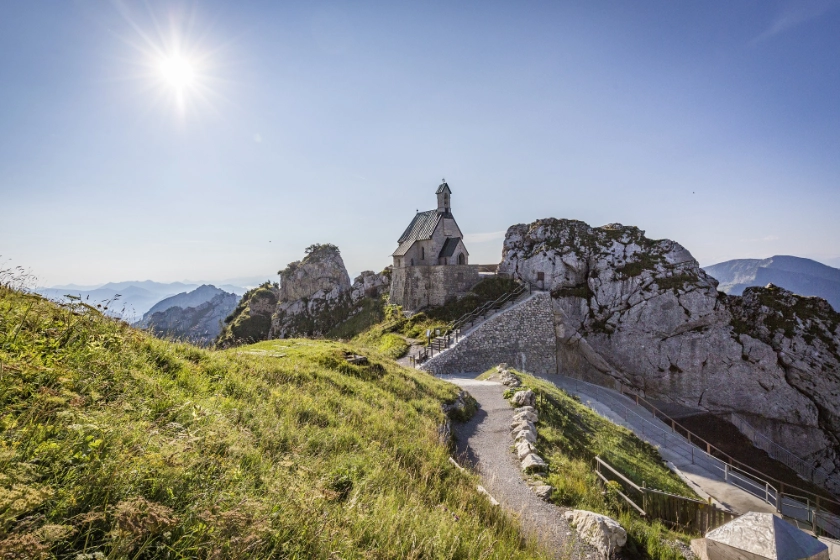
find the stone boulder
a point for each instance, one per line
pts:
(544, 491)
(605, 534)
(523, 398)
(524, 448)
(533, 463)
(525, 435)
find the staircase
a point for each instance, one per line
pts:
(467, 323)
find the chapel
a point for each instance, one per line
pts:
(431, 263)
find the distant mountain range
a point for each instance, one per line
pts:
(194, 316)
(128, 300)
(801, 276)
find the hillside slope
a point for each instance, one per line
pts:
(801, 276)
(194, 298)
(117, 443)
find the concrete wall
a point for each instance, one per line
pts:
(414, 287)
(525, 329)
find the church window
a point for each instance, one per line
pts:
(422, 253)
(412, 262)
(461, 258)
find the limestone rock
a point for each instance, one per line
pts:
(525, 435)
(517, 426)
(544, 491)
(642, 312)
(533, 462)
(524, 448)
(322, 270)
(369, 284)
(523, 398)
(605, 534)
(525, 415)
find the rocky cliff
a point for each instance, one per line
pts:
(642, 312)
(314, 296)
(200, 324)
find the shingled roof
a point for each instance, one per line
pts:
(421, 227)
(449, 247)
(444, 187)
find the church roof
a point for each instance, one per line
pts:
(449, 247)
(421, 227)
(443, 188)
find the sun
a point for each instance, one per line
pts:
(177, 71)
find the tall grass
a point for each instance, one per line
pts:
(115, 444)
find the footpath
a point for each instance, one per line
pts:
(485, 444)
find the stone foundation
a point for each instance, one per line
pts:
(415, 287)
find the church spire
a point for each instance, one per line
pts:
(443, 193)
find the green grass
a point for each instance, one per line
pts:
(372, 312)
(570, 435)
(117, 443)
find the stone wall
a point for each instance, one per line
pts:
(525, 329)
(414, 287)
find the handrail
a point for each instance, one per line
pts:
(731, 460)
(487, 306)
(812, 505)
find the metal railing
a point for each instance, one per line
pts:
(453, 332)
(818, 512)
(678, 511)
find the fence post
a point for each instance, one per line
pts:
(726, 472)
(692, 454)
(767, 492)
(816, 526)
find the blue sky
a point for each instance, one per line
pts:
(712, 123)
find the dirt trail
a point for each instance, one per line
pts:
(485, 444)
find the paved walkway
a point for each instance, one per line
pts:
(485, 444)
(707, 477)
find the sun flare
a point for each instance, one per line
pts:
(177, 72)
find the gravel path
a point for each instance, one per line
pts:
(485, 444)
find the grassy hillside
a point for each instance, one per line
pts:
(570, 435)
(115, 444)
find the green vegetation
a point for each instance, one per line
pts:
(251, 320)
(371, 311)
(570, 435)
(676, 282)
(116, 443)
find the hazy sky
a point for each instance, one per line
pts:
(211, 140)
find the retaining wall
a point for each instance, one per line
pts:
(526, 329)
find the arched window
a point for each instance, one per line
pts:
(461, 259)
(412, 262)
(422, 253)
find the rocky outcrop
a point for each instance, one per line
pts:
(250, 321)
(316, 294)
(321, 271)
(642, 312)
(199, 325)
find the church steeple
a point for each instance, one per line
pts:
(443, 193)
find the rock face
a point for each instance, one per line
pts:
(199, 325)
(314, 296)
(641, 312)
(322, 270)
